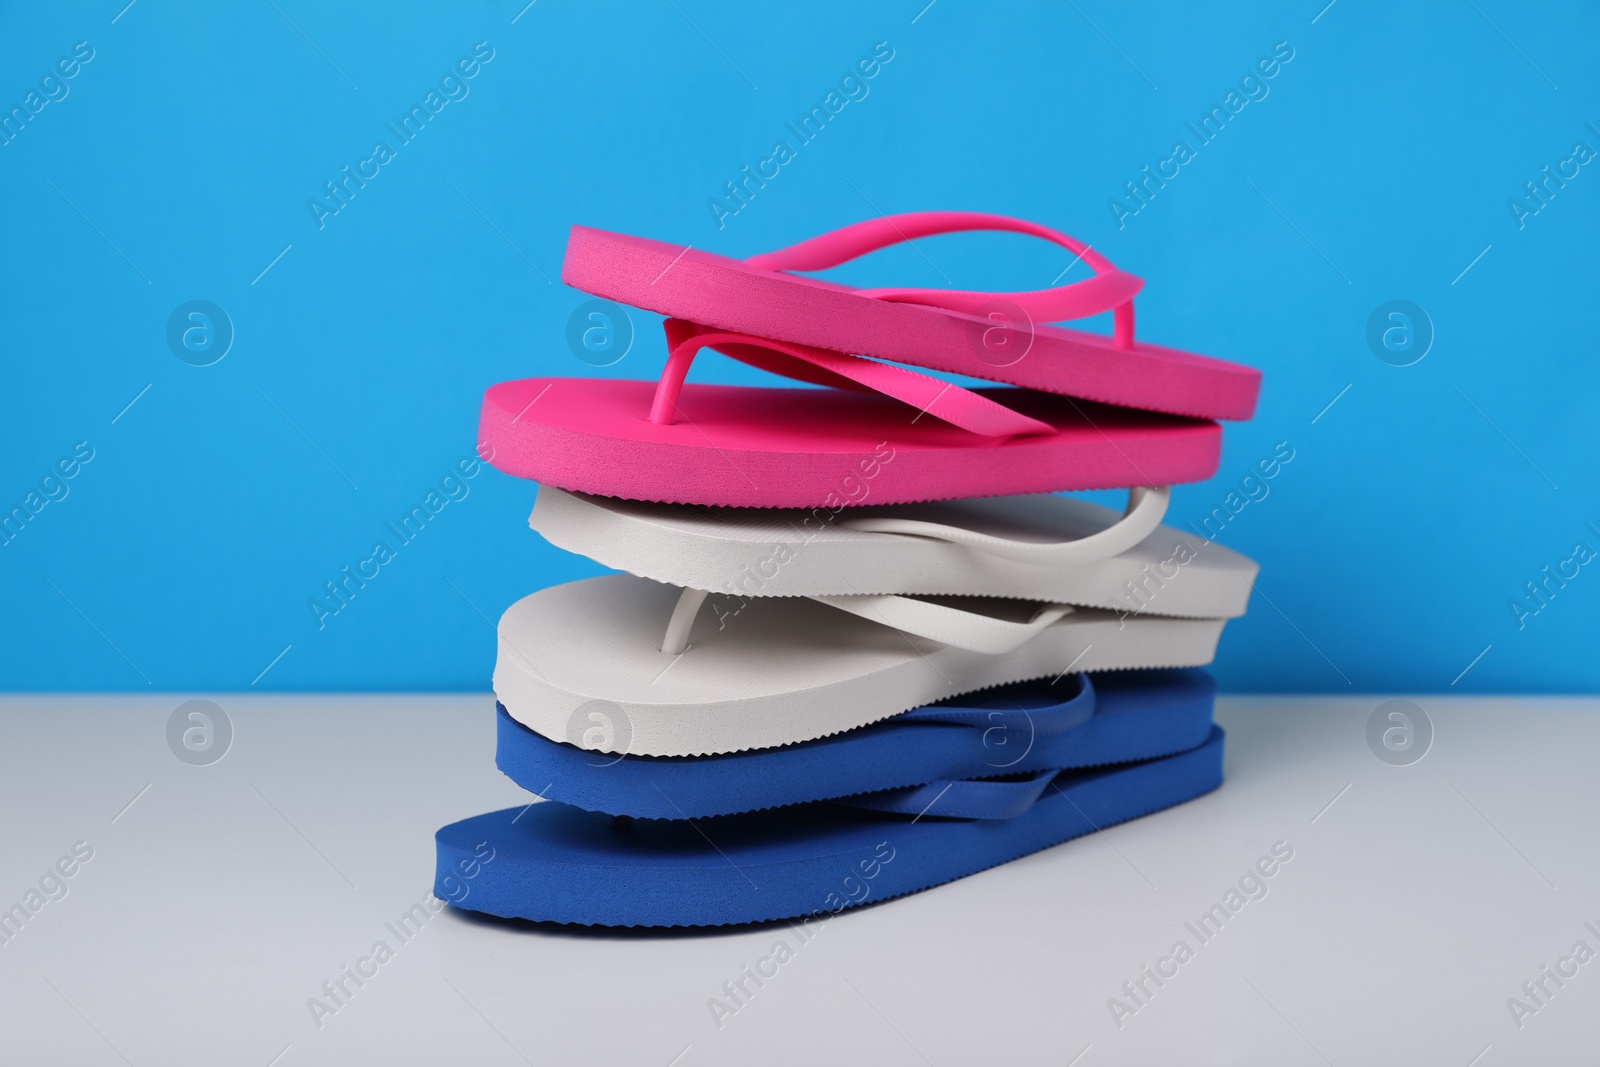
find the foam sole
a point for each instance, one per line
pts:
(585, 658)
(807, 447)
(1118, 717)
(555, 863)
(798, 552)
(707, 288)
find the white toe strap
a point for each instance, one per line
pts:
(688, 606)
(948, 626)
(1146, 508)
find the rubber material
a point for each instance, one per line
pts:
(947, 624)
(1109, 289)
(774, 670)
(556, 863)
(1141, 518)
(748, 446)
(745, 552)
(923, 393)
(752, 298)
(1078, 721)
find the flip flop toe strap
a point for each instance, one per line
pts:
(943, 400)
(970, 630)
(1147, 506)
(1109, 290)
(980, 798)
(1041, 720)
(949, 626)
(960, 798)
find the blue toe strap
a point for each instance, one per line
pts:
(986, 798)
(1052, 717)
(960, 799)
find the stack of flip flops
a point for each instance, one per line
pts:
(857, 650)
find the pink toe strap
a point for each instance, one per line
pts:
(943, 400)
(1109, 290)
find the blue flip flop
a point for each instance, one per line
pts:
(1115, 717)
(553, 862)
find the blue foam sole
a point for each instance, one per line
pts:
(556, 863)
(1137, 715)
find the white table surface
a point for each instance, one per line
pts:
(220, 901)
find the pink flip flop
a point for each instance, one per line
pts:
(994, 336)
(881, 434)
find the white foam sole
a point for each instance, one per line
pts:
(787, 552)
(582, 663)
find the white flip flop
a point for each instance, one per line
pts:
(583, 661)
(1030, 547)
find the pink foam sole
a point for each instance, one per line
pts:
(741, 446)
(731, 295)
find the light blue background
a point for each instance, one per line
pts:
(1378, 168)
